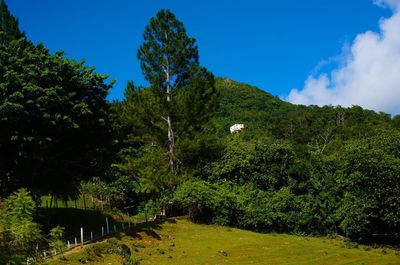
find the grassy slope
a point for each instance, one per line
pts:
(200, 244)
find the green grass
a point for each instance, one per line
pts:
(178, 241)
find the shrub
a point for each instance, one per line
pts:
(20, 231)
(56, 238)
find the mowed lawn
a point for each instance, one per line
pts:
(178, 241)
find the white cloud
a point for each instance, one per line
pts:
(369, 76)
(393, 4)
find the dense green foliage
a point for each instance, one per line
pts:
(54, 120)
(20, 231)
(276, 190)
(371, 185)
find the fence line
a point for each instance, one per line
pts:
(84, 238)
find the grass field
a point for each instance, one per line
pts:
(178, 241)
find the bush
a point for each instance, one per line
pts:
(245, 206)
(20, 231)
(198, 198)
(56, 238)
(149, 209)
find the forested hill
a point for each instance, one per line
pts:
(243, 103)
(267, 115)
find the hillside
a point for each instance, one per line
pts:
(267, 115)
(179, 241)
(243, 103)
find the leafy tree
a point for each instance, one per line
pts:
(235, 164)
(370, 180)
(170, 62)
(199, 198)
(147, 167)
(278, 211)
(54, 120)
(139, 110)
(325, 191)
(9, 29)
(272, 165)
(269, 164)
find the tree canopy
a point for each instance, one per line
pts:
(54, 120)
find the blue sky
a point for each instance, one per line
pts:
(275, 45)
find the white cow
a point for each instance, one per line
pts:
(236, 128)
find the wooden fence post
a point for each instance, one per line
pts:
(82, 237)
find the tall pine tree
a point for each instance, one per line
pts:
(170, 62)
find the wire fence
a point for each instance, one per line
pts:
(82, 237)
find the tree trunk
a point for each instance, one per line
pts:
(51, 201)
(169, 121)
(170, 145)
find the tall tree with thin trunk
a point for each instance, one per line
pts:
(169, 58)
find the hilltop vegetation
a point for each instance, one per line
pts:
(269, 116)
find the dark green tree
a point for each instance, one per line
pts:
(371, 185)
(235, 164)
(53, 119)
(170, 63)
(9, 29)
(140, 110)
